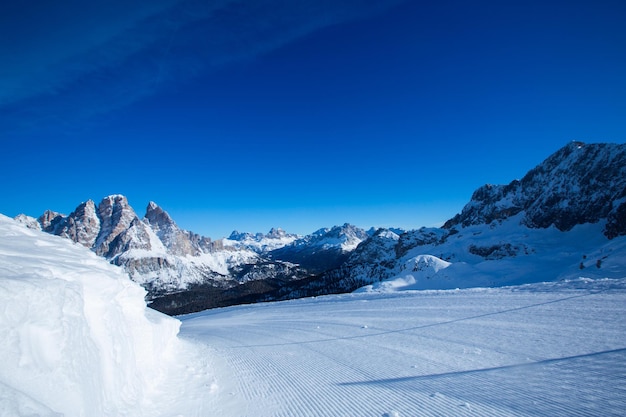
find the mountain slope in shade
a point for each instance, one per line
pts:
(324, 249)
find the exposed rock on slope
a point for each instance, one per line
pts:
(580, 183)
(324, 249)
(259, 242)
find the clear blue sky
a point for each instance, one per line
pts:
(301, 115)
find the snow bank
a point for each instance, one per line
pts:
(76, 338)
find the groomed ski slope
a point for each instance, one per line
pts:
(556, 349)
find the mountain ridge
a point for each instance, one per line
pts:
(580, 184)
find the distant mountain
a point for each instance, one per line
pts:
(154, 250)
(322, 250)
(184, 271)
(565, 218)
(259, 242)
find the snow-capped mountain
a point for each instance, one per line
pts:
(566, 214)
(184, 271)
(177, 241)
(324, 249)
(259, 242)
(154, 250)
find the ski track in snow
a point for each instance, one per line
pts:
(490, 352)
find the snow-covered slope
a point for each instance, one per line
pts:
(76, 337)
(506, 253)
(553, 349)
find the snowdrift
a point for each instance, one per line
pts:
(76, 338)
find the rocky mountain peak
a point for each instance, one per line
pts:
(116, 216)
(158, 218)
(580, 183)
(240, 236)
(51, 221)
(82, 225)
(276, 233)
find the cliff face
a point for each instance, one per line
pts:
(580, 183)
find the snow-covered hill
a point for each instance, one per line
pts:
(552, 349)
(506, 253)
(76, 337)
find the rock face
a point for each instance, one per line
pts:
(82, 226)
(177, 241)
(151, 250)
(580, 183)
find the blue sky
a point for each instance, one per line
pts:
(300, 115)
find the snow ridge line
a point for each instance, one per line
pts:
(495, 368)
(424, 326)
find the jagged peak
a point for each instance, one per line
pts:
(158, 218)
(85, 206)
(115, 205)
(574, 185)
(276, 233)
(115, 198)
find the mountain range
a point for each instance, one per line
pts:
(565, 218)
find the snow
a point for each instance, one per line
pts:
(222, 261)
(76, 336)
(259, 242)
(540, 349)
(521, 255)
(77, 340)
